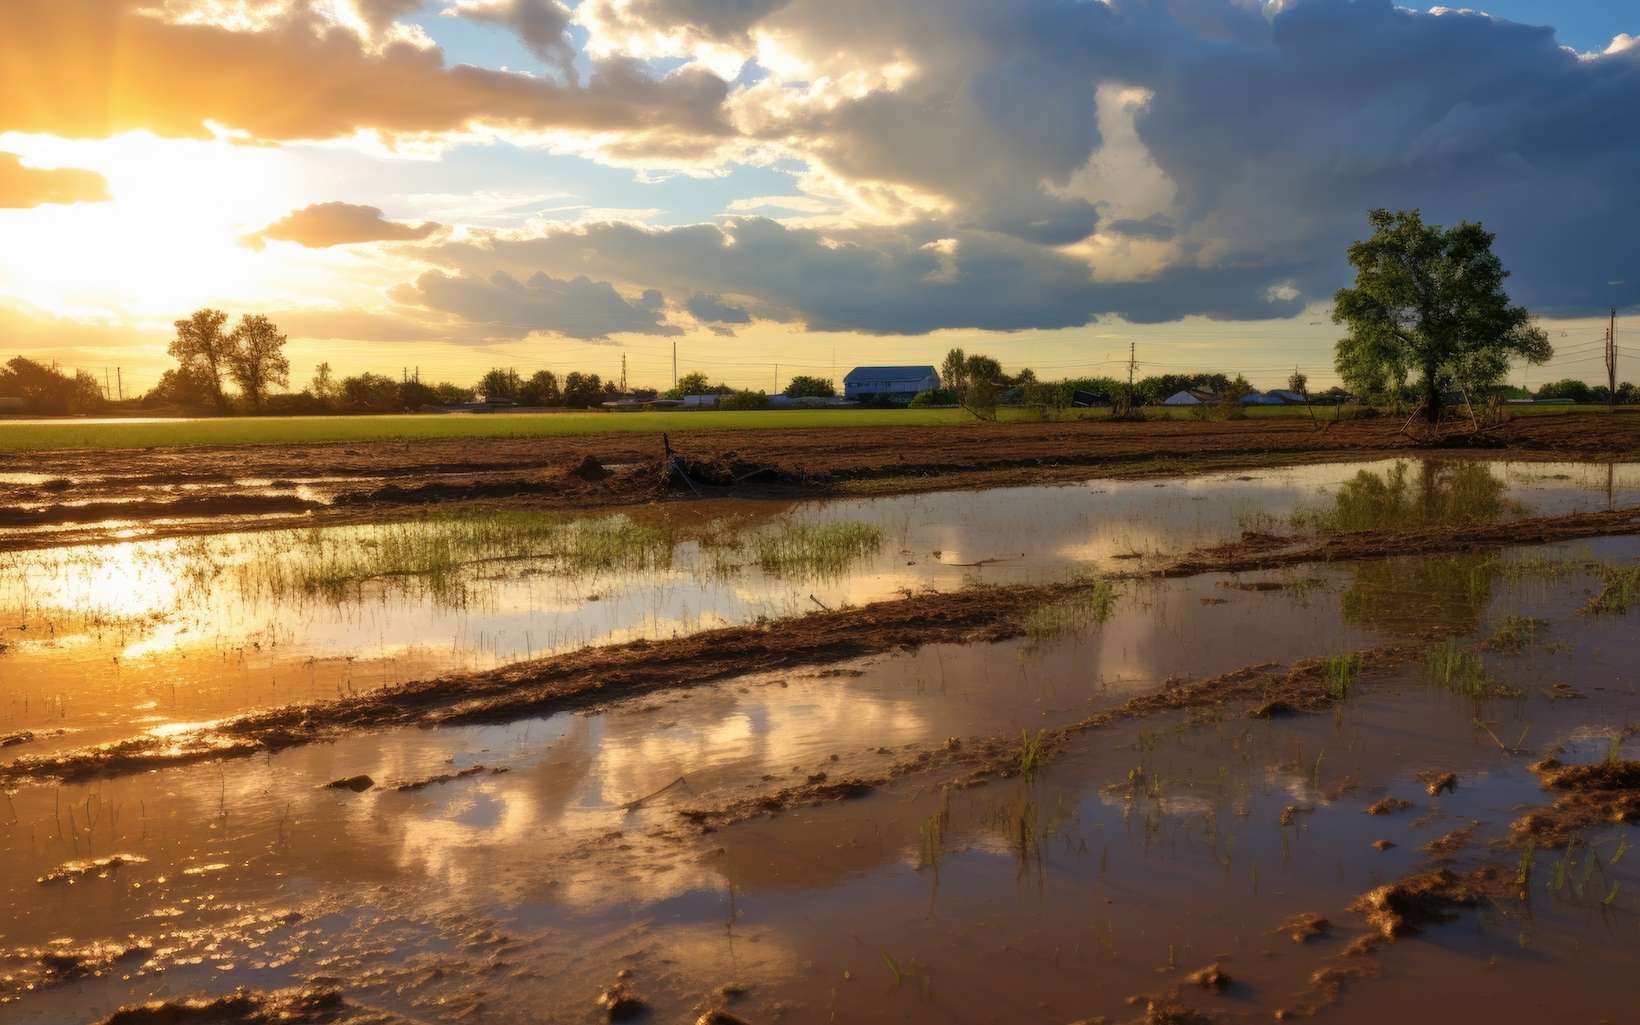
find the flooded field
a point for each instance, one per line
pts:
(1059, 754)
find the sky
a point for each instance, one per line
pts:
(779, 187)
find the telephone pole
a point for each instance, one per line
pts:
(623, 373)
(119, 379)
(1611, 360)
(674, 366)
(1133, 364)
(776, 380)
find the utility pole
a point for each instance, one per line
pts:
(674, 366)
(1611, 360)
(623, 373)
(108, 391)
(1133, 364)
(776, 380)
(119, 379)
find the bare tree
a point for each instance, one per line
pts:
(203, 350)
(256, 358)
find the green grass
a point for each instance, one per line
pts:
(1619, 591)
(1030, 753)
(816, 550)
(1453, 669)
(31, 435)
(1089, 606)
(430, 555)
(1341, 671)
(295, 430)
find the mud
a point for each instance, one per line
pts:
(1401, 908)
(175, 508)
(1589, 796)
(591, 675)
(551, 472)
(317, 1006)
(578, 680)
(916, 810)
(1258, 551)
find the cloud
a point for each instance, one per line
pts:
(876, 280)
(542, 26)
(712, 309)
(509, 308)
(23, 187)
(338, 224)
(1252, 136)
(298, 75)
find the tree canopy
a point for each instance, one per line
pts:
(1428, 303)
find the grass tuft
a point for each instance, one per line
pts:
(1089, 606)
(1619, 591)
(1453, 669)
(1341, 671)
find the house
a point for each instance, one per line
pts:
(1191, 397)
(1287, 396)
(889, 382)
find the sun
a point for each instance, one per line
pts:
(169, 238)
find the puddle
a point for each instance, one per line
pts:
(1138, 854)
(837, 843)
(99, 637)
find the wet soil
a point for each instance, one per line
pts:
(929, 809)
(352, 482)
(610, 672)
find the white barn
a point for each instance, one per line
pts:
(889, 382)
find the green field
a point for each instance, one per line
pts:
(82, 434)
(70, 433)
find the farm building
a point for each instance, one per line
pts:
(889, 382)
(1191, 397)
(1286, 396)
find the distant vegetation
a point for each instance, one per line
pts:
(1395, 355)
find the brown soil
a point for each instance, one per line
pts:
(1262, 551)
(387, 478)
(1589, 796)
(1403, 907)
(242, 1007)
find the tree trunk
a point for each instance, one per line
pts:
(1432, 395)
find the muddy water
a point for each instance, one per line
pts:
(1140, 853)
(150, 634)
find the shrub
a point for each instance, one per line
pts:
(744, 400)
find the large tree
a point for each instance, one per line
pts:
(1429, 301)
(203, 350)
(256, 358)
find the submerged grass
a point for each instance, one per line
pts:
(433, 554)
(816, 549)
(1089, 606)
(1619, 591)
(1515, 632)
(1461, 672)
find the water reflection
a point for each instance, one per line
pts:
(1408, 496)
(98, 638)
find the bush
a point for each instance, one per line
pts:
(744, 400)
(937, 397)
